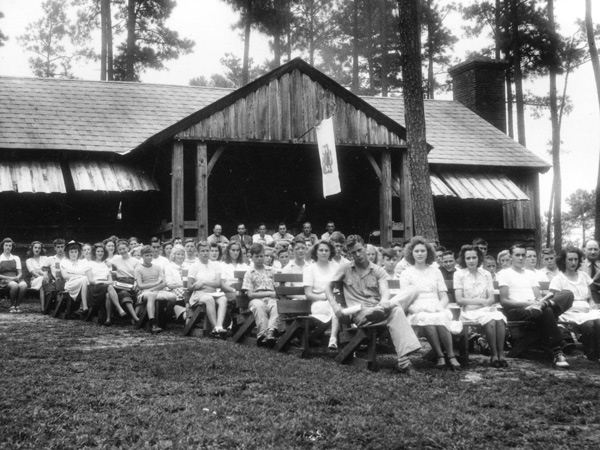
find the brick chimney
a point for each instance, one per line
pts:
(479, 85)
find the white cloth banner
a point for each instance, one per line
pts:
(328, 157)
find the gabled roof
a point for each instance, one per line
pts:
(42, 113)
(118, 117)
(461, 137)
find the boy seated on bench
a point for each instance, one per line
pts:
(520, 296)
(150, 280)
(260, 287)
(366, 286)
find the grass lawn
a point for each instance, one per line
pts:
(69, 384)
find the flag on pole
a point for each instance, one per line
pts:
(328, 157)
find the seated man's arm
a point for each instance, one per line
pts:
(337, 277)
(506, 302)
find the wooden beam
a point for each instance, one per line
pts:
(385, 199)
(202, 190)
(177, 204)
(376, 168)
(406, 198)
(214, 159)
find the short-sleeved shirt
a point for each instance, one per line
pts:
(259, 281)
(51, 263)
(206, 272)
(360, 290)
(14, 258)
(148, 275)
(100, 270)
(520, 284)
(161, 262)
(125, 268)
(258, 239)
(579, 288)
(474, 286)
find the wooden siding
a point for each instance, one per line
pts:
(31, 176)
(520, 215)
(285, 110)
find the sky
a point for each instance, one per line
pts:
(210, 24)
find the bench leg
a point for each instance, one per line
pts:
(61, 302)
(289, 334)
(350, 347)
(197, 316)
(143, 316)
(244, 330)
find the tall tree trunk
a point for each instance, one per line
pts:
(589, 26)
(109, 43)
(549, 223)
(370, 50)
(130, 59)
(103, 39)
(246, 62)
(509, 105)
(557, 182)
(418, 165)
(497, 28)
(516, 50)
(430, 33)
(384, 47)
(355, 38)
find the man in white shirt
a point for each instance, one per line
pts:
(298, 264)
(262, 237)
(520, 296)
(157, 258)
(330, 227)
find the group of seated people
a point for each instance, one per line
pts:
(124, 275)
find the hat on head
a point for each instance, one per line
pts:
(73, 244)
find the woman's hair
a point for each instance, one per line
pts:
(561, 261)
(30, 249)
(95, 247)
(122, 242)
(338, 237)
(213, 245)
(4, 241)
(315, 248)
(469, 248)
(177, 248)
(371, 247)
(71, 245)
(501, 255)
(420, 240)
(227, 258)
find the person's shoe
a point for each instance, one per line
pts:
(154, 329)
(270, 339)
(333, 345)
(454, 364)
(496, 364)
(441, 363)
(406, 370)
(12, 310)
(108, 323)
(260, 341)
(560, 361)
(18, 310)
(504, 364)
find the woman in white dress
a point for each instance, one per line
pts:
(233, 260)
(11, 275)
(76, 272)
(584, 311)
(176, 279)
(101, 283)
(35, 262)
(316, 278)
(474, 290)
(429, 312)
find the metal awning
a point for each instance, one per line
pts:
(482, 186)
(32, 176)
(439, 188)
(107, 176)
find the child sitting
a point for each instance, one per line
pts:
(258, 282)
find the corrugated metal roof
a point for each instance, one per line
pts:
(483, 186)
(31, 176)
(105, 176)
(439, 188)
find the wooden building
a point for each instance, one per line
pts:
(138, 159)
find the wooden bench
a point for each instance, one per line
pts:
(245, 333)
(296, 315)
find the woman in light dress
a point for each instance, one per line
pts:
(233, 260)
(474, 290)
(11, 275)
(176, 279)
(316, 278)
(35, 262)
(76, 272)
(101, 282)
(429, 313)
(584, 312)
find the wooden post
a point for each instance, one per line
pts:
(385, 199)
(177, 204)
(202, 191)
(406, 198)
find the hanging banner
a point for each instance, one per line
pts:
(328, 157)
